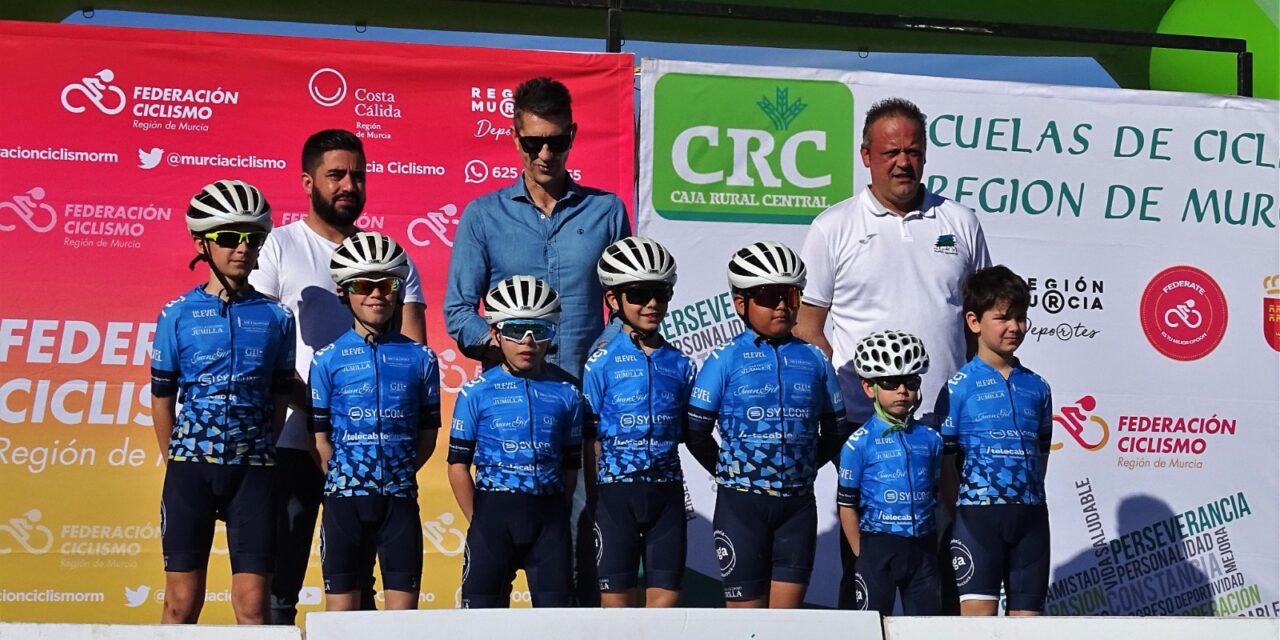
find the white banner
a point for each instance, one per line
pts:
(1145, 223)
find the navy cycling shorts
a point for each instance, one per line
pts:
(354, 529)
(760, 538)
(512, 531)
(197, 494)
(892, 565)
(1006, 543)
(638, 521)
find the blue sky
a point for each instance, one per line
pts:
(1072, 71)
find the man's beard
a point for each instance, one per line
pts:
(331, 214)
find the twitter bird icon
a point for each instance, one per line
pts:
(136, 597)
(149, 159)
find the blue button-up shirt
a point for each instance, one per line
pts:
(503, 234)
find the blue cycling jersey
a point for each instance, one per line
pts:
(636, 407)
(224, 361)
(519, 432)
(1001, 429)
(771, 401)
(890, 475)
(375, 399)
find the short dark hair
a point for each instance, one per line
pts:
(321, 142)
(543, 97)
(887, 108)
(984, 288)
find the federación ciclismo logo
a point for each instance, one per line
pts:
(734, 149)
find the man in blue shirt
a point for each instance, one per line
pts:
(545, 225)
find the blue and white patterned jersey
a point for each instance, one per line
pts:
(520, 433)
(375, 400)
(890, 475)
(769, 401)
(1001, 429)
(225, 362)
(636, 407)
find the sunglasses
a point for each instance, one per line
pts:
(641, 295)
(521, 330)
(231, 239)
(532, 145)
(771, 294)
(892, 383)
(366, 286)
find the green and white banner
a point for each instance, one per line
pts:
(1145, 223)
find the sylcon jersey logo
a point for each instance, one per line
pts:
(1183, 313)
(732, 149)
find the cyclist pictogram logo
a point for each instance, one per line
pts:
(23, 533)
(1183, 313)
(328, 87)
(447, 539)
(29, 208)
(442, 224)
(96, 90)
(1089, 431)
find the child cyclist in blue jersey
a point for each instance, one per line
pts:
(889, 481)
(637, 391)
(375, 412)
(779, 412)
(520, 425)
(997, 433)
(225, 352)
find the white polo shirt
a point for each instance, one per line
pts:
(876, 270)
(293, 267)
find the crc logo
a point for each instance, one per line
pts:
(961, 563)
(1183, 313)
(725, 554)
(328, 87)
(761, 150)
(29, 208)
(95, 90)
(1089, 431)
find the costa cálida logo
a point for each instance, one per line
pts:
(1271, 310)
(1183, 313)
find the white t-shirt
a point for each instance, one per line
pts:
(876, 270)
(293, 267)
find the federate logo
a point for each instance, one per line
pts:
(1183, 313)
(1271, 310)
(725, 554)
(328, 87)
(737, 149)
(961, 563)
(95, 90)
(1089, 431)
(28, 209)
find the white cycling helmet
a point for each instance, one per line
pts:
(368, 253)
(227, 202)
(636, 259)
(764, 263)
(889, 353)
(522, 298)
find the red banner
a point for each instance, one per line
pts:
(107, 133)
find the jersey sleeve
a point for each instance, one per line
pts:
(1046, 421)
(571, 456)
(833, 405)
(286, 353)
(949, 405)
(165, 365)
(849, 488)
(467, 282)
(593, 394)
(819, 285)
(430, 391)
(981, 255)
(321, 396)
(708, 392)
(462, 432)
(413, 286)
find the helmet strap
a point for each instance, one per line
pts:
(229, 293)
(894, 423)
(374, 332)
(638, 336)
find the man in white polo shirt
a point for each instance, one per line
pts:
(891, 257)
